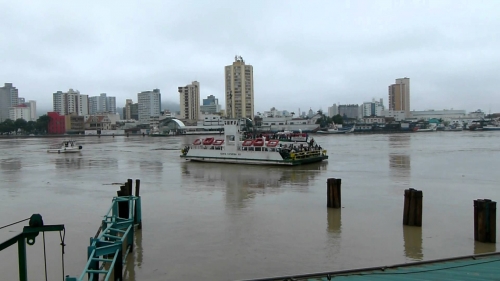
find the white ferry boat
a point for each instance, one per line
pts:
(231, 149)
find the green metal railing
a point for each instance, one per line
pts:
(105, 253)
(28, 237)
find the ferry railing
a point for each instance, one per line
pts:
(306, 154)
(106, 254)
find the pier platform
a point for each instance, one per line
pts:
(476, 267)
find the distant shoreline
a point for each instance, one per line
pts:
(65, 136)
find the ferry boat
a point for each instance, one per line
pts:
(260, 151)
(67, 146)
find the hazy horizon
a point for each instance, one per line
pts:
(304, 54)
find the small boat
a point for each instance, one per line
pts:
(430, 128)
(336, 130)
(491, 128)
(493, 125)
(419, 130)
(67, 146)
(263, 151)
(453, 128)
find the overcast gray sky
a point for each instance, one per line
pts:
(307, 54)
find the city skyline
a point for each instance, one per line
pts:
(308, 54)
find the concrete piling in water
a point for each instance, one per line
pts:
(485, 218)
(333, 193)
(412, 211)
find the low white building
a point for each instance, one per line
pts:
(273, 112)
(478, 114)
(290, 124)
(445, 114)
(211, 120)
(372, 120)
(398, 115)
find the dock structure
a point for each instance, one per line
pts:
(476, 267)
(28, 236)
(109, 248)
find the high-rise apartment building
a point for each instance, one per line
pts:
(189, 97)
(102, 104)
(333, 110)
(351, 111)
(239, 89)
(210, 105)
(8, 98)
(126, 109)
(25, 110)
(373, 108)
(399, 96)
(71, 102)
(149, 105)
(131, 110)
(32, 105)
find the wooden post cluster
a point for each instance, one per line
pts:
(333, 193)
(412, 211)
(126, 190)
(485, 218)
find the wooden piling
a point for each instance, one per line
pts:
(118, 268)
(406, 207)
(137, 190)
(485, 220)
(412, 210)
(129, 185)
(137, 187)
(123, 206)
(333, 193)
